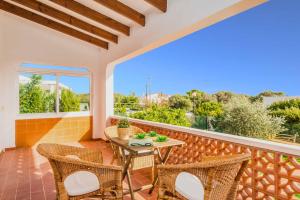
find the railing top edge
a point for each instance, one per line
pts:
(252, 142)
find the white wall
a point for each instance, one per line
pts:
(24, 41)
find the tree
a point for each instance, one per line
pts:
(119, 108)
(267, 93)
(197, 97)
(270, 93)
(290, 111)
(291, 115)
(163, 115)
(131, 102)
(209, 109)
(69, 101)
(281, 105)
(241, 117)
(33, 99)
(223, 96)
(180, 102)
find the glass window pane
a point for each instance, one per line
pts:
(74, 94)
(37, 93)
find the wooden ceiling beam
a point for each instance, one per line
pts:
(124, 10)
(59, 15)
(94, 15)
(159, 4)
(13, 9)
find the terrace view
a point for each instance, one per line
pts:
(149, 99)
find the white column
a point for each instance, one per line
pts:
(102, 99)
(109, 92)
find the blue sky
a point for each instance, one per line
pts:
(255, 51)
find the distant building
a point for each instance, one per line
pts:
(158, 98)
(267, 101)
(45, 84)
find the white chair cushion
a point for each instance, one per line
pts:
(81, 182)
(189, 186)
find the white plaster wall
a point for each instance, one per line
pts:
(24, 41)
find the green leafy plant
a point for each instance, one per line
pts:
(140, 136)
(123, 123)
(152, 134)
(161, 138)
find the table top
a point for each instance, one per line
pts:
(136, 149)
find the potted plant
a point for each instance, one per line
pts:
(124, 130)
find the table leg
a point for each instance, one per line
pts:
(163, 160)
(130, 185)
(126, 166)
(126, 172)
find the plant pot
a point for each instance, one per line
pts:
(124, 133)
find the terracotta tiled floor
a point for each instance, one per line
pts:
(25, 175)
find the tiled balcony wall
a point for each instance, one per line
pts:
(30, 132)
(273, 173)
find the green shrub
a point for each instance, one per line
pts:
(180, 102)
(209, 109)
(241, 117)
(163, 115)
(69, 101)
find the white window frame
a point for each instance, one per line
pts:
(58, 74)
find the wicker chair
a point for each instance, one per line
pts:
(79, 173)
(214, 178)
(138, 162)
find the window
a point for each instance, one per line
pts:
(53, 91)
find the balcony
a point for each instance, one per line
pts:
(273, 173)
(96, 36)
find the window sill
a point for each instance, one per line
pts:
(53, 115)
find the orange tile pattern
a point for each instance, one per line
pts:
(25, 175)
(270, 175)
(30, 132)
